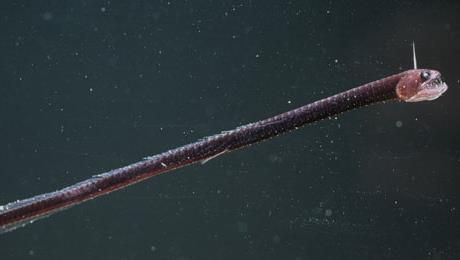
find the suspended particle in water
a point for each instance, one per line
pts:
(47, 16)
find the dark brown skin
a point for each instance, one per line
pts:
(409, 86)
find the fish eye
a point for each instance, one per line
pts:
(425, 75)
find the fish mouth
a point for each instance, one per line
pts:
(429, 90)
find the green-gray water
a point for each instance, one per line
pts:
(88, 86)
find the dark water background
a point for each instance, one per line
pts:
(88, 86)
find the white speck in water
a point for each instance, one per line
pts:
(257, 55)
(103, 9)
(31, 252)
(242, 227)
(396, 202)
(328, 212)
(276, 239)
(398, 124)
(289, 102)
(91, 90)
(336, 61)
(153, 248)
(47, 16)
